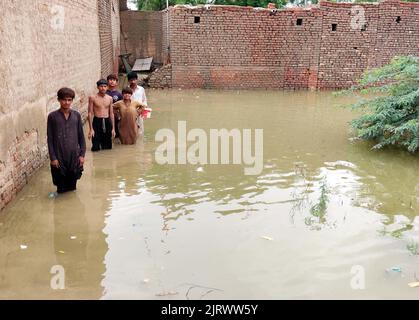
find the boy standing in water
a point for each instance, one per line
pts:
(138, 94)
(113, 88)
(129, 112)
(101, 118)
(116, 96)
(66, 143)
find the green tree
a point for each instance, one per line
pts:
(148, 5)
(392, 116)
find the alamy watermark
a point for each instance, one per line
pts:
(58, 279)
(57, 19)
(174, 149)
(358, 21)
(358, 278)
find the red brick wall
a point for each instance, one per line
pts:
(244, 47)
(345, 53)
(393, 37)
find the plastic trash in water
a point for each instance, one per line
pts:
(267, 238)
(52, 195)
(23, 246)
(394, 269)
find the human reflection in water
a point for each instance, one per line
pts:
(71, 238)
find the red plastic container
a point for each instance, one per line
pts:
(146, 113)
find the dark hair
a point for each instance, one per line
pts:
(112, 76)
(132, 75)
(102, 82)
(65, 93)
(127, 90)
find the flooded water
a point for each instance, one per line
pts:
(326, 218)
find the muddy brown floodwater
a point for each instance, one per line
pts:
(325, 218)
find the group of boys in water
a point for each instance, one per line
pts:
(110, 114)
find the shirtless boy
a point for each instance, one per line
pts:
(101, 118)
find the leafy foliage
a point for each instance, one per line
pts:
(147, 5)
(318, 210)
(392, 117)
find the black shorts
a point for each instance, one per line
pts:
(103, 134)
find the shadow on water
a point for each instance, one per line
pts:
(71, 239)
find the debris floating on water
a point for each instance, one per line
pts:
(413, 284)
(394, 269)
(73, 237)
(52, 195)
(169, 293)
(267, 238)
(23, 246)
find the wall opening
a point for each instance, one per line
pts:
(364, 27)
(334, 26)
(196, 19)
(299, 22)
(398, 19)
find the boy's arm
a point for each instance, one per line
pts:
(50, 138)
(111, 115)
(140, 107)
(144, 99)
(82, 141)
(90, 117)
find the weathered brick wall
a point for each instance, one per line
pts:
(161, 78)
(165, 37)
(396, 36)
(244, 47)
(355, 45)
(109, 25)
(116, 35)
(142, 35)
(235, 47)
(45, 45)
(345, 53)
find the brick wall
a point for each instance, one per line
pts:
(45, 45)
(142, 35)
(243, 47)
(165, 37)
(396, 36)
(109, 30)
(161, 78)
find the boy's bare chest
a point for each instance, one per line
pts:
(101, 102)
